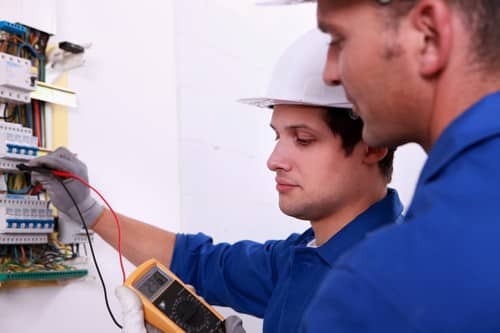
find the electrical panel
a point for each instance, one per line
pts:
(31, 247)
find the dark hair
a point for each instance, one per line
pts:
(481, 16)
(350, 131)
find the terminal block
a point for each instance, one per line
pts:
(24, 214)
(43, 276)
(17, 142)
(16, 79)
(12, 28)
(22, 239)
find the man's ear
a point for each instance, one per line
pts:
(374, 155)
(432, 20)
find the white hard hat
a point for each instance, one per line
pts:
(298, 79)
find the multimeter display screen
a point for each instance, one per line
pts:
(152, 284)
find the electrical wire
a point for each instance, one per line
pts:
(90, 242)
(13, 115)
(65, 174)
(60, 176)
(28, 47)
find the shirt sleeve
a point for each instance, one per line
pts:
(241, 276)
(347, 303)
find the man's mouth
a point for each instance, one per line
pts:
(353, 113)
(284, 185)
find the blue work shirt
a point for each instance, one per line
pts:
(439, 271)
(277, 279)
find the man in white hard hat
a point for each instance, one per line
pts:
(425, 71)
(325, 174)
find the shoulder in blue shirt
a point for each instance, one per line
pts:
(438, 272)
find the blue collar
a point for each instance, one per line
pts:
(480, 122)
(383, 212)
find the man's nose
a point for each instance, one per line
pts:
(278, 159)
(331, 73)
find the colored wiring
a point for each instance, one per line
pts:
(13, 114)
(63, 174)
(28, 47)
(36, 258)
(18, 183)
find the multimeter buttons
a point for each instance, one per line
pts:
(189, 315)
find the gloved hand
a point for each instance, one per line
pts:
(64, 160)
(133, 316)
(234, 324)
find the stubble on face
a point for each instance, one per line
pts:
(310, 209)
(376, 76)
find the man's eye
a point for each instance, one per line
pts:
(303, 142)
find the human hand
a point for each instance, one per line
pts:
(133, 315)
(64, 160)
(233, 324)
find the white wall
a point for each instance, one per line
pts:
(40, 14)
(126, 130)
(143, 109)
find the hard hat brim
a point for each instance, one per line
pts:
(264, 102)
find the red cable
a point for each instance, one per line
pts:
(38, 128)
(65, 174)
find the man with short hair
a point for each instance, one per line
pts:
(425, 71)
(325, 174)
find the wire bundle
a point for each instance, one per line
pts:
(36, 258)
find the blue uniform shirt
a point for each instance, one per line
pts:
(277, 279)
(439, 271)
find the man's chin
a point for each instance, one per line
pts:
(294, 212)
(371, 138)
(378, 139)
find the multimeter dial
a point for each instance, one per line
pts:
(186, 311)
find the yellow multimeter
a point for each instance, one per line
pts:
(169, 305)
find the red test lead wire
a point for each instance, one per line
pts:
(65, 174)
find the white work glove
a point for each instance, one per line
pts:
(133, 316)
(64, 160)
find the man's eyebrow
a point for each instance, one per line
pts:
(293, 127)
(299, 126)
